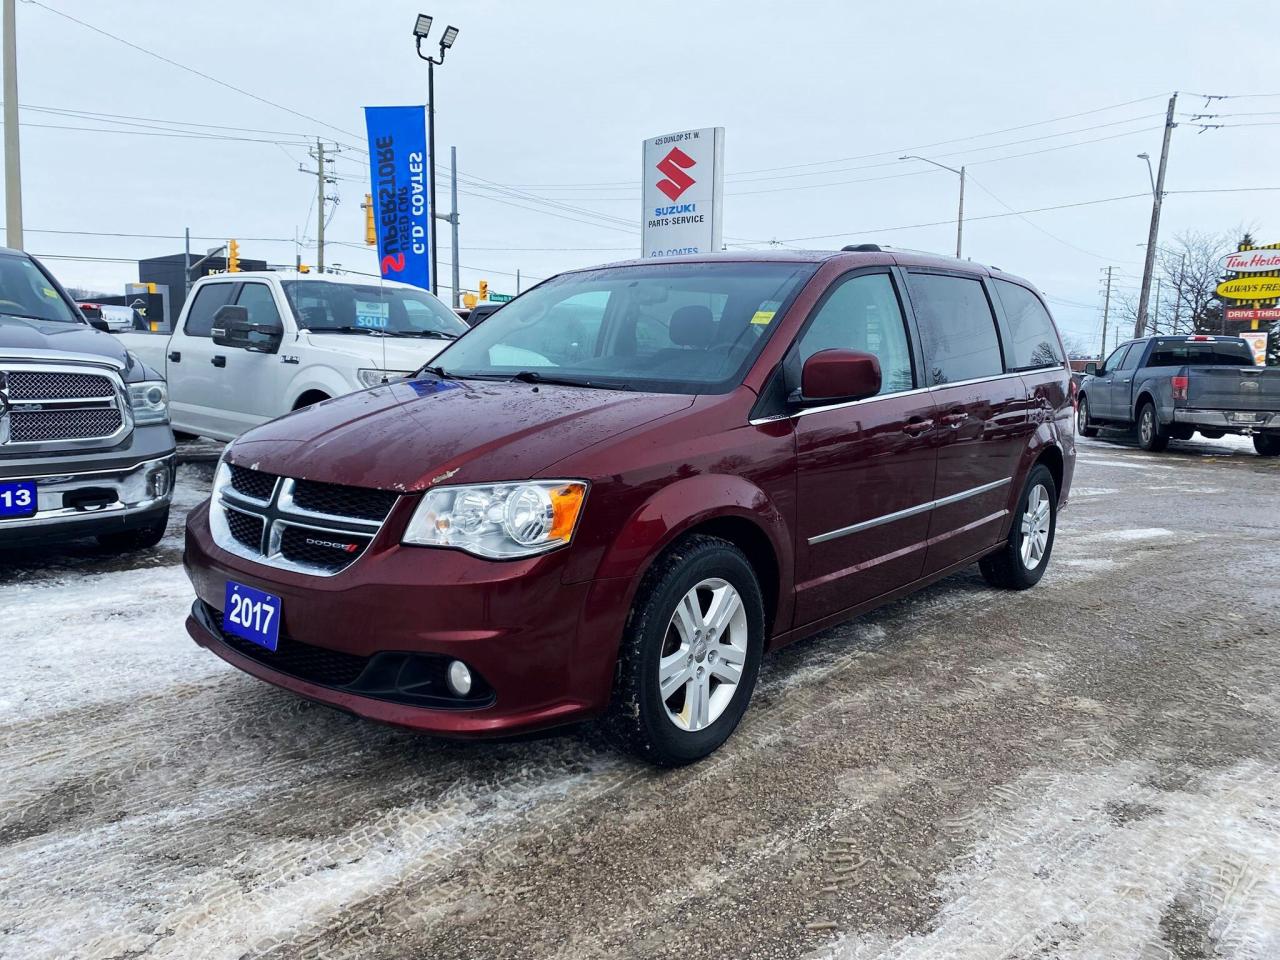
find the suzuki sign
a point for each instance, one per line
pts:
(683, 192)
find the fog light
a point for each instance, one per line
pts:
(459, 678)
(158, 483)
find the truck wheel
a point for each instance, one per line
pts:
(1021, 560)
(139, 539)
(1083, 425)
(690, 653)
(1267, 446)
(1151, 436)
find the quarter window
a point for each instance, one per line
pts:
(1132, 358)
(1033, 340)
(208, 299)
(863, 314)
(957, 329)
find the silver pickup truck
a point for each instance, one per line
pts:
(85, 444)
(1170, 388)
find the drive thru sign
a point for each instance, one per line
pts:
(683, 192)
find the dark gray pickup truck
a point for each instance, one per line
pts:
(1170, 388)
(85, 444)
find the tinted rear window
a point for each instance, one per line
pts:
(957, 329)
(1225, 353)
(1033, 340)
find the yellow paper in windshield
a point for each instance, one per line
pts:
(763, 317)
(49, 292)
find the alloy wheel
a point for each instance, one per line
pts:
(1082, 417)
(1147, 427)
(1036, 520)
(703, 654)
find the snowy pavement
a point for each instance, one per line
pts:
(1085, 770)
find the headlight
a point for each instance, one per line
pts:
(375, 378)
(499, 521)
(150, 402)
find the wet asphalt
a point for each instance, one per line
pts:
(1087, 769)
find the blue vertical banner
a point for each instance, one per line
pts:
(398, 171)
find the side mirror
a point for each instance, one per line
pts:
(1091, 368)
(839, 375)
(99, 324)
(233, 328)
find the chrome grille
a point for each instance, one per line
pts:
(35, 385)
(32, 427)
(57, 406)
(300, 525)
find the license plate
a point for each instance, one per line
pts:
(1239, 417)
(18, 499)
(252, 614)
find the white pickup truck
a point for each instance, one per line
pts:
(250, 347)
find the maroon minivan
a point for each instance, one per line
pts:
(616, 493)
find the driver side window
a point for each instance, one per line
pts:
(1112, 363)
(863, 314)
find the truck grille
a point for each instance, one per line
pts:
(32, 427)
(59, 406)
(28, 385)
(301, 525)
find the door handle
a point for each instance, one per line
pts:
(916, 426)
(955, 419)
(175, 356)
(219, 361)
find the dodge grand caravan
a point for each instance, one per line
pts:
(615, 494)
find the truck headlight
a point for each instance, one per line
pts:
(150, 402)
(375, 377)
(499, 521)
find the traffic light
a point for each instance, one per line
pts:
(484, 289)
(304, 268)
(370, 234)
(468, 300)
(233, 257)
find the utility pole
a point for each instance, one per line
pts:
(517, 281)
(1153, 237)
(12, 151)
(322, 177)
(1106, 312)
(186, 262)
(960, 216)
(1155, 314)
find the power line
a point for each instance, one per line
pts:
(191, 70)
(191, 135)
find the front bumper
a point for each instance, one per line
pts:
(89, 502)
(1267, 422)
(544, 648)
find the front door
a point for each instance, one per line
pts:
(1102, 389)
(250, 379)
(197, 387)
(866, 468)
(983, 421)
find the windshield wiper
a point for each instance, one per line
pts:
(349, 328)
(532, 376)
(30, 316)
(429, 334)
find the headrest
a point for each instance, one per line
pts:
(692, 326)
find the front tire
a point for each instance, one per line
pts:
(142, 538)
(1151, 436)
(1083, 426)
(1021, 560)
(690, 653)
(1267, 446)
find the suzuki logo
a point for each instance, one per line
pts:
(673, 167)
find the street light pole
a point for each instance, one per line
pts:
(960, 212)
(421, 30)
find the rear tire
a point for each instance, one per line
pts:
(1151, 436)
(139, 539)
(1266, 445)
(1021, 561)
(698, 619)
(1083, 426)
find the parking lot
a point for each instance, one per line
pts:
(1087, 769)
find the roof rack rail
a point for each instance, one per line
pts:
(861, 248)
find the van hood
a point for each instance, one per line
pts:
(412, 434)
(28, 336)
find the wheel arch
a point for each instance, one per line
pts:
(308, 397)
(1145, 396)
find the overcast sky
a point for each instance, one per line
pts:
(554, 99)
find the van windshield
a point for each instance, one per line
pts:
(322, 306)
(665, 328)
(26, 292)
